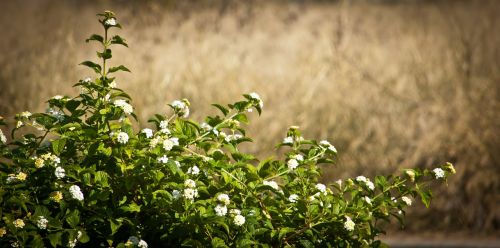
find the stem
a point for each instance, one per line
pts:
(105, 44)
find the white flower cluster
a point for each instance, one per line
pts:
(180, 108)
(124, 105)
(193, 170)
(190, 192)
(233, 137)
(42, 223)
(148, 132)
(76, 193)
(168, 144)
(293, 198)
(47, 157)
(60, 172)
(366, 181)
(349, 224)
(239, 220)
(406, 200)
(223, 198)
(292, 164)
(328, 146)
(271, 184)
(256, 97)
(321, 187)
(59, 115)
(220, 210)
(410, 174)
(163, 159)
(122, 137)
(3, 139)
(209, 128)
(21, 176)
(19, 223)
(110, 22)
(438, 173)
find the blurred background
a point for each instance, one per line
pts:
(392, 84)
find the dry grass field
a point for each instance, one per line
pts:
(392, 84)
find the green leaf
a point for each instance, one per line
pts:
(132, 207)
(224, 110)
(426, 196)
(73, 218)
(218, 242)
(118, 68)
(118, 40)
(97, 68)
(58, 146)
(115, 225)
(95, 37)
(105, 55)
(55, 239)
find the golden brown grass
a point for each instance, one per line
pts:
(391, 85)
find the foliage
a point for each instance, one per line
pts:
(86, 178)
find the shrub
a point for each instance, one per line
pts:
(86, 178)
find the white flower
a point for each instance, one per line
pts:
(220, 210)
(42, 222)
(175, 141)
(87, 80)
(60, 172)
(168, 145)
(321, 187)
(239, 220)
(154, 142)
(361, 179)
(3, 139)
(142, 244)
(19, 124)
(180, 108)
(163, 124)
(110, 22)
(349, 224)
(367, 200)
(57, 97)
(176, 194)
(163, 159)
(329, 146)
(224, 198)
(76, 193)
(25, 114)
(15, 244)
(233, 137)
(439, 173)
(234, 212)
(148, 132)
(113, 84)
(407, 200)
(256, 97)
(293, 198)
(189, 183)
(18, 223)
(298, 157)
(72, 243)
(177, 164)
(190, 193)
(339, 182)
(193, 170)
(292, 164)
(271, 184)
(122, 137)
(288, 140)
(410, 174)
(124, 105)
(370, 185)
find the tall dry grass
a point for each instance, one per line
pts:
(391, 85)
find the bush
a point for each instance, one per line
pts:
(86, 178)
